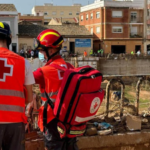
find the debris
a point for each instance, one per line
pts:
(117, 118)
(104, 132)
(144, 121)
(145, 113)
(105, 125)
(91, 131)
(133, 122)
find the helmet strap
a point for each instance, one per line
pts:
(48, 56)
(8, 42)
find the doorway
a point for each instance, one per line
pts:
(72, 47)
(118, 49)
(137, 47)
(14, 47)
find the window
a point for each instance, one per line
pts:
(81, 18)
(61, 13)
(45, 13)
(70, 13)
(54, 12)
(117, 30)
(97, 29)
(97, 14)
(133, 16)
(116, 14)
(148, 32)
(91, 30)
(87, 16)
(77, 13)
(91, 15)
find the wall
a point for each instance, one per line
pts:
(130, 67)
(110, 34)
(29, 42)
(25, 41)
(93, 23)
(130, 45)
(78, 49)
(128, 141)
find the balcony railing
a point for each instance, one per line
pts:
(136, 20)
(136, 35)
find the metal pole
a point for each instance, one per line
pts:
(137, 95)
(107, 97)
(145, 26)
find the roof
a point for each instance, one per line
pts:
(66, 20)
(7, 7)
(65, 30)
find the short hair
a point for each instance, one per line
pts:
(3, 37)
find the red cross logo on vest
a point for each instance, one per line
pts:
(5, 69)
(95, 106)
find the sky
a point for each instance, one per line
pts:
(25, 6)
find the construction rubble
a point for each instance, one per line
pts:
(101, 125)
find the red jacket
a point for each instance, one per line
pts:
(12, 76)
(50, 80)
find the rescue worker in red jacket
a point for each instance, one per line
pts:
(49, 43)
(15, 74)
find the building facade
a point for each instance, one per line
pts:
(50, 11)
(9, 14)
(147, 38)
(117, 26)
(76, 38)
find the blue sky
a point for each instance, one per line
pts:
(25, 6)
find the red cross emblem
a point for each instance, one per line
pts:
(95, 105)
(5, 69)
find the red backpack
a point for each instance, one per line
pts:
(78, 99)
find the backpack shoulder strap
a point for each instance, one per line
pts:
(58, 67)
(62, 68)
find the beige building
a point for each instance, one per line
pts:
(76, 38)
(50, 11)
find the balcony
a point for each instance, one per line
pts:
(136, 35)
(148, 37)
(136, 20)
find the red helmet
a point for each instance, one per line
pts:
(48, 38)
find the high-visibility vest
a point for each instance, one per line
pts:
(85, 53)
(91, 52)
(12, 76)
(99, 51)
(53, 79)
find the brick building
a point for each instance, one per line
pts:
(117, 26)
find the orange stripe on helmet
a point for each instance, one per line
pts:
(49, 33)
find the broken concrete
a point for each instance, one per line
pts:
(128, 141)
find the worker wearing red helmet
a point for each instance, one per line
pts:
(49, 43)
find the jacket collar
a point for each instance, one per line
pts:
(52, 59)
